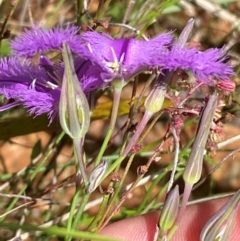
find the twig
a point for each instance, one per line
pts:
(23, 12)
(130, 6)
(218, 11)
(19, 196)
(14, 209)
(190, 94)
(122, 25)
(227, 142)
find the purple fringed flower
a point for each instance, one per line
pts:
(114, 57)
(123, 57)
(38, 88)
(127, 57)
(98, 59)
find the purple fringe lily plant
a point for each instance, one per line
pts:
(92, 61)
(99, 61)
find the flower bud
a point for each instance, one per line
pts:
(96, 176)
(226, 85)
(170, 210)
(220, 225)
(193, 170)
(185, 33)
(74, 113)
(155, 99)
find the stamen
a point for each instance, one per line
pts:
(115, 60)
(32, 86)
(51, 85)
(122, 58)
(48, 84)
(90, 48)
(115, 64)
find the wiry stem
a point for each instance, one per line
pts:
(79, 154)
(116, 101)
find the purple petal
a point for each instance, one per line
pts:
(22, 81)
(37, 102)
(89, 75)
(18, 70)
(206, 66)
(38, 88)
(40, 40)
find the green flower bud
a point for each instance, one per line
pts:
(74, 113)
(193, 169)
(170, 210)
(220, 225)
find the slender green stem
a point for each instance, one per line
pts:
(100, 213)
(129, 163)
(116, 101)
(79, 11)
(114, 165)
(118, 186)
(79, 156)
(116, 191)
(57, 232)
(150, 189)
(103, 147)
(130, 119)
(80, 211)
(75, 201)
(103, 9)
